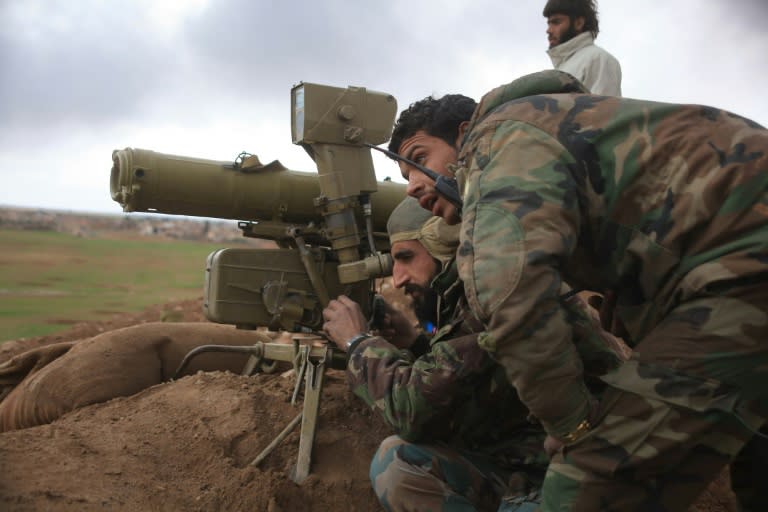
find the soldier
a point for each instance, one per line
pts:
(436, 393)
(664, 207)
(572, 27)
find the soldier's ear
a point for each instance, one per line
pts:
(460, 137)
(578, 24)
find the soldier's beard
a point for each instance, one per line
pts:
(424, 302)
(568, 35)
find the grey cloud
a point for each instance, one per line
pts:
(748, 12)
(260, 49)
(110, 65)
(93, 70)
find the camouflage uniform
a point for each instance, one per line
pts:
(665, 205)
(449, 452)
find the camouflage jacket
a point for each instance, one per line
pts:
(451, 392)
(657, 202)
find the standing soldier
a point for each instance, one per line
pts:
(572, 27)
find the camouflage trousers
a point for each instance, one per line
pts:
(692, 395)
(434, 477)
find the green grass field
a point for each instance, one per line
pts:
(49, 280)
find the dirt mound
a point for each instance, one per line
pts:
(188, 445)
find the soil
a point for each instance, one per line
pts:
(188, 444)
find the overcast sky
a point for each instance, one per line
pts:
(211, 78)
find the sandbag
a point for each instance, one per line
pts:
(25, 364)
(113, 364)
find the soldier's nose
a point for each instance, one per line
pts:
(415, 185)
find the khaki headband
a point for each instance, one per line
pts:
(409, 221)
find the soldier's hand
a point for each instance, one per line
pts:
(343, 320)
(608, 317)
(397, 328)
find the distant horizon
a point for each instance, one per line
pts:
(114, 214)
(54, 209)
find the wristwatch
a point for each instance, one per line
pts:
(355, 341)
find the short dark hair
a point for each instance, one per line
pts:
(438, 117)
(573, 9)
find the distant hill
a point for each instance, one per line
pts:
(89, 225)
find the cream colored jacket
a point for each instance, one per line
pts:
(597, 69)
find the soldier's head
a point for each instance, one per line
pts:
(421, 246)
(568, 18)
(429, 132)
